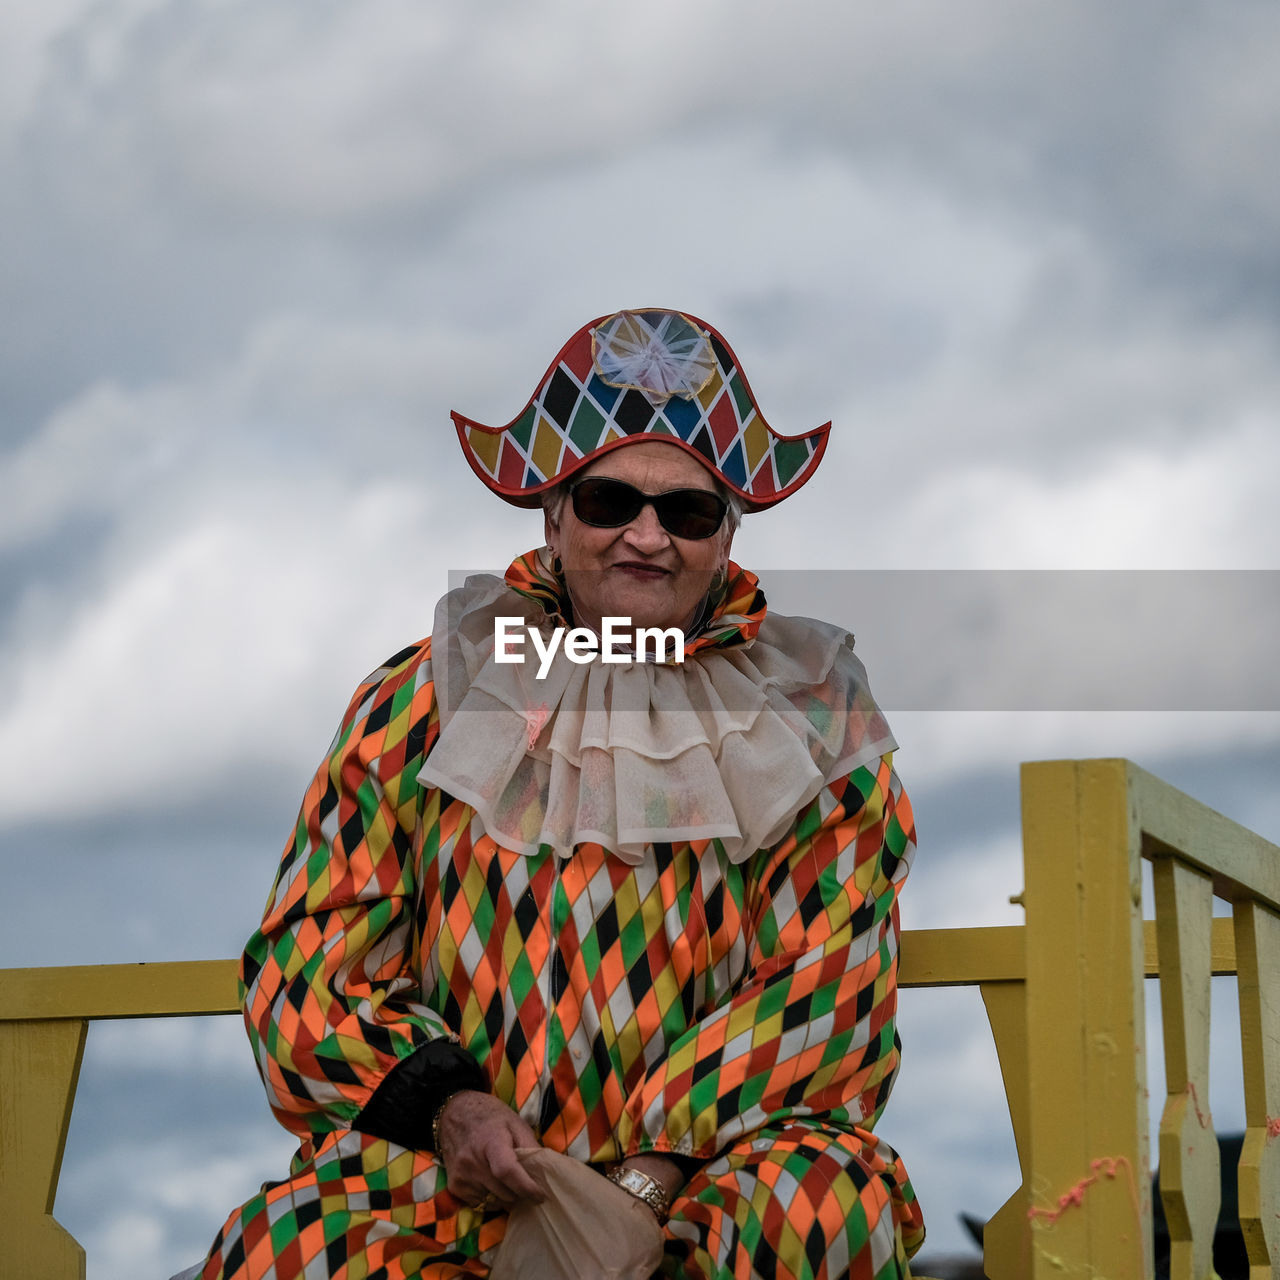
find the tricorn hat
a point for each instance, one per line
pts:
(639, 375)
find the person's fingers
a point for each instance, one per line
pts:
(485, 1195)
(483, 1189)
(480, 1135)
(521, 1134)
(480, 1192)
(512, 1176)
(497, 1169)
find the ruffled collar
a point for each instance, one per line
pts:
(728, 746)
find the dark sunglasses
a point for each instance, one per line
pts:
(609, 504)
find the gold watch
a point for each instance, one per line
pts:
(643, 1187)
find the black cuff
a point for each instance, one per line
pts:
(405, 1103)
(689, 1165)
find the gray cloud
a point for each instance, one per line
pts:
(252, 255)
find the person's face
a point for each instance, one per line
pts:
(639, 570)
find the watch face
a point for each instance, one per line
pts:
(643, 1187)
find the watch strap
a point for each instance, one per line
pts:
(643, 1187)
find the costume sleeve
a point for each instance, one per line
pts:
(330, 983)
(810, 1028)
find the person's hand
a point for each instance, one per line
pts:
(478, 1140)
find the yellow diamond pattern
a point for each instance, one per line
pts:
(755, 439)
(707, 396)
(547, 443)
(485, 446)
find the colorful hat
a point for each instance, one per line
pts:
(636, 375)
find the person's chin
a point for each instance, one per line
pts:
(642, 608)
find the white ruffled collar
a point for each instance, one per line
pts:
(729, 745)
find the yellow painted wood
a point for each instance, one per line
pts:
(1242, 863)
(1085, 1031)
(43, 1021)
(190, 988)
(39, 1065)
(961, 957)
(1222, 948)
(1258, 948)
(1190, 1184)
(1006, 1240)
(173, 988)
(929, 958)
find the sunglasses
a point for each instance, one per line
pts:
(609, 504)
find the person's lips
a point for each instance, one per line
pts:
(641, 571)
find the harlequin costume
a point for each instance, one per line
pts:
(650, 906)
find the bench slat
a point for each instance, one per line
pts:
(172, 988)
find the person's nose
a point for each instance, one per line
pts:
(645, 533)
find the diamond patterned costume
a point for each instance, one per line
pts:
(739, 1014)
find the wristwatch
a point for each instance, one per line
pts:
(643, 1187)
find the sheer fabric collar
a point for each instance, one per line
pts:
(728, 745)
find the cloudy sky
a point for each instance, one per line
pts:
(1025, 257)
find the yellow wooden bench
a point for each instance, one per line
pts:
(1064, 994)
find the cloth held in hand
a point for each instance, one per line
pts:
(586, 1229)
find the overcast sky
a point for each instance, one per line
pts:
(1024, 257)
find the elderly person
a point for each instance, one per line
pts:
(638, 908)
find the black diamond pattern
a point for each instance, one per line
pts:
(560, 399)
(633, 413)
